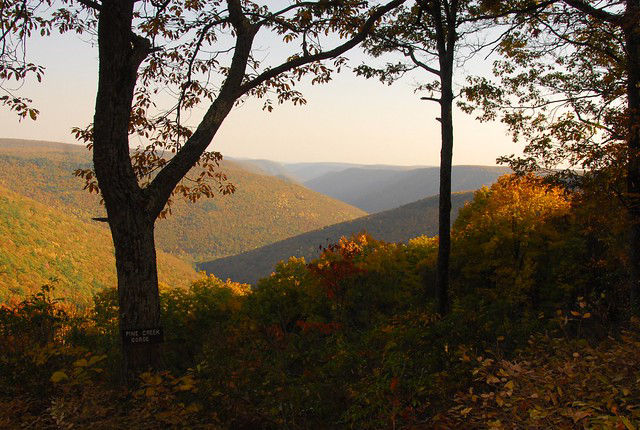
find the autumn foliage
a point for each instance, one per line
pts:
(351, 339)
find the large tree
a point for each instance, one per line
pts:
(570, 87)
(201, 52)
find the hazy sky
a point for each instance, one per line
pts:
(349, 120)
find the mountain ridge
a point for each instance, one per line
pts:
(375, 190)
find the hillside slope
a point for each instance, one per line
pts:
(375, 190)
(42, 245)
(396, 225)
(264, 209)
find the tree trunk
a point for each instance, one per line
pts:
(632, 42)
(138, 297)
(445, 27)
(131, 225)
(444, 214)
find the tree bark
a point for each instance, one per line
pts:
(445, 26)
(131, 226)
(444, 216)
(138, 295)
(631, 29)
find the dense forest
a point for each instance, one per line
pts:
(523, 311)
(537, 336)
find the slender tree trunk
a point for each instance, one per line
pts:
(444, 218)
(632, 42)
(445, 29)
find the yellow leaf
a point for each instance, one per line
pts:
(58, 376)
(185, 387)
(95, 359)
(509, 385)
(587, 315)
(193, 407)
(575, 314)
(466, 411)
(492, 379)
(81, 363)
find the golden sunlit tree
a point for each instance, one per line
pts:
(501, 236)
(569, 87)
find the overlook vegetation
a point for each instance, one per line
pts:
(537, 336)
(523, 313)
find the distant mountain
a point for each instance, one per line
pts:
(374, 190)
(43, 245)
(396, 225)
(308, 171)
(265, 167)
(303, 172)
(264, 209)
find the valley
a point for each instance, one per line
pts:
(395, 225)
(270, 217)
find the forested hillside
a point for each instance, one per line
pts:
(521, 313)
(264, 209)
(396, 225)
(45, 245)
(375, 189)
